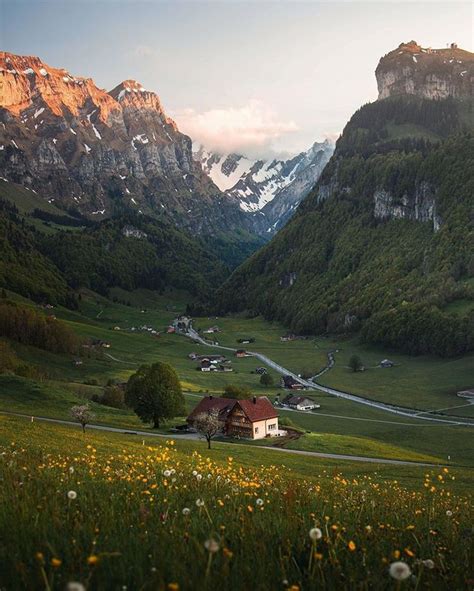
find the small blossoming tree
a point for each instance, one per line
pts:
(207, 424)
(82, 414)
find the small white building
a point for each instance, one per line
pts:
(300, 403)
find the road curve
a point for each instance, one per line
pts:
(195, 436)
(398, 410)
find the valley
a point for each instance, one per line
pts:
(350, 427)
(210, 353)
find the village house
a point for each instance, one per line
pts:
(252, 419)
(182, 323)
(386, 363)
(287, 337)
(212, 330)
(300, 403)
(242, 353)
(290, 383)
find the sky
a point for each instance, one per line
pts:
(259, 78)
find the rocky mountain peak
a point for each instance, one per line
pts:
(133, 97)
(425, 72)
(30, 83)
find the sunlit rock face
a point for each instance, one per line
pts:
(103, 152)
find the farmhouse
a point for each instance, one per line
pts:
(386, 363)
(290, 383)
(300, 403)
(252, 419)
(242, 353)
(212, 330)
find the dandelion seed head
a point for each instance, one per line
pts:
(315, 533)
(72, 494)
(211, 545)
(399, 570)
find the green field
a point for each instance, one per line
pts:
(341, 426)
(112, 511)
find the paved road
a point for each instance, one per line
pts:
(195, 436)
(398, 410)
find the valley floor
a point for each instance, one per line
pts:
(339, 426)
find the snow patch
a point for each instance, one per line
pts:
(43, 72)
(38, 112)
(88, 149)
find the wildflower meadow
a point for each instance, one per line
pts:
(86, 512)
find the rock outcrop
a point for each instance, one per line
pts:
(101, 152)
(428, 73)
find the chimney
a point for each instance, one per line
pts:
(255, 400)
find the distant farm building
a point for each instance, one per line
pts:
(242, 353)
(252, 419)
(386, 363)
(300, 403)
(290, 383)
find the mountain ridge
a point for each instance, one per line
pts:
(384, 241)
(270, 187)
(102, 152)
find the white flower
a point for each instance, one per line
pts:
(75, 586)
(259, 502)
(167, 473)
(199, 503)
(72, 494)
(186, 511)
(71, 471)
(199, 476)
(315, 534)
(399, 570)
(211, 546)
(449, 513)
(194, 473)
(428, 563)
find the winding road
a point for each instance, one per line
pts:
(310, 384)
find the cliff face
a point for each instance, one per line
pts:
(428, 73)
(102, 152)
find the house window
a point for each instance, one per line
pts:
(272, 426)
(256, 429)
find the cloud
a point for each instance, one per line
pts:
(251, 129)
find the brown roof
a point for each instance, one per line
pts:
(258, 409)
(208, 403)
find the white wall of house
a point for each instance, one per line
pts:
(261, 429)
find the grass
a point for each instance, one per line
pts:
(125, 528)
(337, 418)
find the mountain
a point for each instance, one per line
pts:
(47, 254)
(272, 188)
(384, 242)
(103, 153)
(425, 72)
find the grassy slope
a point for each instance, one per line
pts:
(254, 504)
(372, 428)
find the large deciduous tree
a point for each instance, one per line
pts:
(155, 394)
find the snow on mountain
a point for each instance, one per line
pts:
(257, 184)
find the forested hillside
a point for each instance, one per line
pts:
(385, 240)
(48, 254)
